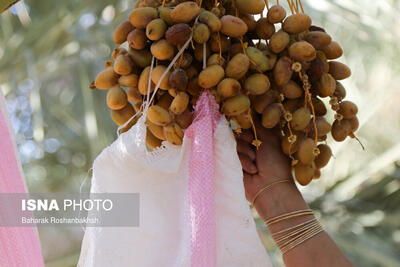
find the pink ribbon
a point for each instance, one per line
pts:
(201, 185)
(19, 246)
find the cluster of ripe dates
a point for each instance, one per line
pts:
(275, 70)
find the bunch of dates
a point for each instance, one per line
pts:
(278, 70)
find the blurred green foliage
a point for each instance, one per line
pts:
(50, 51)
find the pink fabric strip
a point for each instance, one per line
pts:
(201, 185)
(19, 246)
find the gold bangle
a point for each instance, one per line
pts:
(297, 236)
(291, 228)
(296, 231)
(266, 188)
(289, 216)
(302, 240)
(293, 236)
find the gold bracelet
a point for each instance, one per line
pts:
(293, 236)
(266, 188)
(302, 240)
(289, 216)
(313, 227)
(296, 231)
(276, 234)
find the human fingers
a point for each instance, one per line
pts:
(245, 136)
(246, 149)
(266, 135)
(247, 164)
(247, 182)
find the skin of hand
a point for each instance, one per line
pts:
(264, 165)
(269, 164)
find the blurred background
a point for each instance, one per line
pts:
(50, 51)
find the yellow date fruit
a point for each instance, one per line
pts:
(137, 39)
(302, 51)
(338, 70)
(296, 23)
(173, 133)
(348, 109)
(165, 14)
(279, 41)
(162, 50)
(130, 124)
(317, 174)
(259, 103)
(292, 90)
(151, 141)
(156, 29)
(130, 80)
(185, 12)
(250, 6)
(304, 173)
(122, 115)
(319, 107)
(180, 103)
(122, 31)
(323, 126)
(318, 39)
(354, 124)
(333, 50)
(301, 118)
(215, 59)
(236, 105)
(325, 154)
(116, 98)
(134, 95)
(340, 91)
(211, 20)
(143, 83)
(244, 120)
(233, 26)
(283, 71)
(228, 87)
(156, 75)
(123, 65)
(156, 130)
(340, 130)
(326, 85)
(276, 14)
(258, 61)
(264, 29)
(305, 152)
(141, 58)
(290, 148)
(238, 66)
(106, 79)
(271, 115)
(158, 115)
(201, 33)
(211, 76)
(140, 17)
(257, 84)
